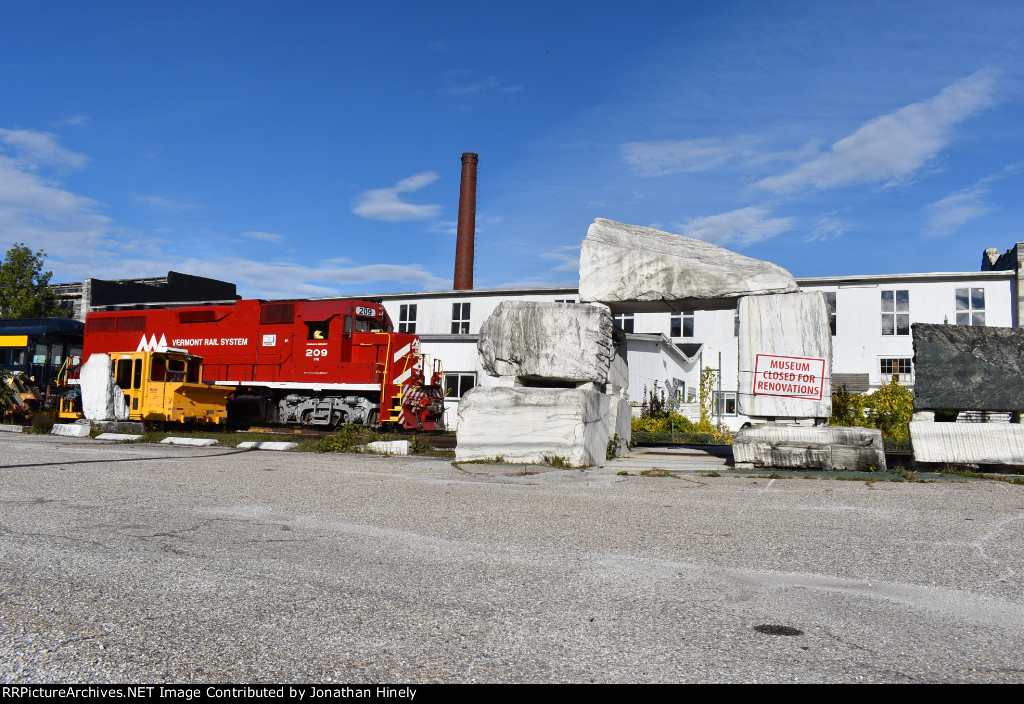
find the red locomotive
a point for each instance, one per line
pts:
(324, 363)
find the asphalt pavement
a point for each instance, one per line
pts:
(154, 563)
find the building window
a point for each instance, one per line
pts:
(736, 323)
(898, 367)
(725, 402)
(456, 384)
(830, 301)
(407, 318)
(682, 324)
(624, 321)
(460, 318)
(566, 300)
(895, 312)
(970, 306)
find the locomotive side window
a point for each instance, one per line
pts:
(317, 330)
(348, 324)
(192, 375)
(18, 357)
(137, 374)
(157, 372)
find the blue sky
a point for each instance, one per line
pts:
(312, 148)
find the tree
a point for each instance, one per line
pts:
(24, 286)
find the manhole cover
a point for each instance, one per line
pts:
(773, 629)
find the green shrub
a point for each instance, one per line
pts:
(889, 409)
(348, 439)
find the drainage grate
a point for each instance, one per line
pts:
(772, 629)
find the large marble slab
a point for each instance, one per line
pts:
(535, 425)
(968, 443)
(785, 356)
(825, 448)
(633, 268)
(550, 341)
(957, 367)
(102, 399)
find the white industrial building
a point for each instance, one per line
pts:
(871, 318)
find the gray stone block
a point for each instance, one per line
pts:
(199, 442)
(534, 425)
(12, 428)
(551, 341)
(71, 430)
(785, 356)
(388, 447)
(278, 446)
(117, 437)
(957, 367)
(632, 268)
(119, 426)
(968, 443)
(825, 448)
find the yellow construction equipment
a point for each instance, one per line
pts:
(162, 386)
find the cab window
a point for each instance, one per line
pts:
(317, 330)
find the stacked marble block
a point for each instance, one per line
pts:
(561, 387)
(961, 368)
(785, 363)
(784, 339)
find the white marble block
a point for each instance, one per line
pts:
(967, 443)
(825, 448)
(534, 425)
(652, 270)
(557, 341)
(785, 356)
(102, 399)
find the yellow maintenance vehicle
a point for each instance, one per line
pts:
(158, 386)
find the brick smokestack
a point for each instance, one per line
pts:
(467, 224)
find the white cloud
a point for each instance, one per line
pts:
(36, 209)
(827, 227)
(32, 149)
(687, 156)
(745, 226)
(892, 147)
(946, 216)
(385, 204)
(264, 236)
(167, 203)
(463, 84)
(568, 257)
(74, 121)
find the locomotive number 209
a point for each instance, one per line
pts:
(316, 352)
(368, 312)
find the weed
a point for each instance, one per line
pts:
(614, 444)
(1018, 481)
(417, 446)
(657, 472)
(348, 439)
(624, 473)
(959, 471)
(42, 423)
(710, 474)
(557, 461)
(904, 474)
